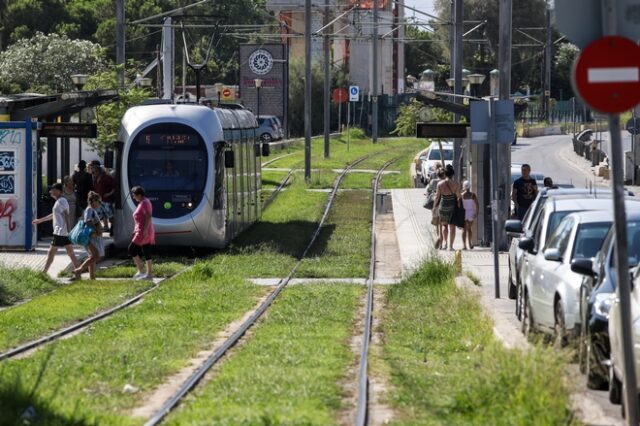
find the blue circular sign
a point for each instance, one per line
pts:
(354, 90)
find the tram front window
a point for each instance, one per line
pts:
(170, 162)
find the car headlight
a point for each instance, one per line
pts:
(603, 302)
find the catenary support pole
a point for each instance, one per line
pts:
(376, 46)
(493, 146)
(630, 395)
(307, 89)
(458, 28)
(327, 81)
(547, 68)
(504, 150)
(120, 41)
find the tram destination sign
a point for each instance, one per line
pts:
(441, 130)
(68, 130)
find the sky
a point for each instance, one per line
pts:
(424, 5)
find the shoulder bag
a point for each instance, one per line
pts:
(81, 233)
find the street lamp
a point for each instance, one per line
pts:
(258, 82)
(426, 80)
(494, 77)
(219, 87)
(475, 80)
(79, 80)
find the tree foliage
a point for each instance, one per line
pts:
(45, 63)
(414, 112)
(562, 71)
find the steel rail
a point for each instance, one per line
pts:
(362, 416)
(275, 193)
(82, 324)
(197, 375)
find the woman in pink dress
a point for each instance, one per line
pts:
(143, 235)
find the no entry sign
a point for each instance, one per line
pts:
(340, 95)
(607, 74)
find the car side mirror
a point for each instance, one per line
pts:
(553, 255)
(526, 244)
(583, 266)
(513, 227)
(229, 160)
(266, 149)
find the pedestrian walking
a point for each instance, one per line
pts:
(548, 183)
(143, 235)
(447, 198)
(471, 208)
(435, 218)
(69, 194)
(83, 183)
(95, 247)
(524, 191)
(104, 185)
(59, 216)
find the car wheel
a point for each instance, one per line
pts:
(560, 329)
(266, 137)
(615, 388)
(596, 378)
(512, 288)
(527, 319)
(519, 299)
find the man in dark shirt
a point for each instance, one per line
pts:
(524, 191)
(82, 183)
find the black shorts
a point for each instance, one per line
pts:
(60, 241)
(136, 250)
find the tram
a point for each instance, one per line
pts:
(199, 166)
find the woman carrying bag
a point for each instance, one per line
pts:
(448, 200)
(95, 247)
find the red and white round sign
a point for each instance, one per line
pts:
(606, 75)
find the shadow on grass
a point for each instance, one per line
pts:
(21, 404)
(289, 238)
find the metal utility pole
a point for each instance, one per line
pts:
(167, 59)
(547, 68)
(327, 80)
(458, 19)
(307, 89)
(374, 108)
(503, 151)
(120, 41)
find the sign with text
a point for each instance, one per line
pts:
(69, 130)
(441, 130)
(354, 93)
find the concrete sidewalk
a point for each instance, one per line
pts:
(37, 258)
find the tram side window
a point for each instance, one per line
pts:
(218, 200)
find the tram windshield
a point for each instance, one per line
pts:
(169, 161)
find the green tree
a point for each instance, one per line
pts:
(45, 63)
(414, 112)
(109, 116)
(562, 71)
(339, 78)
(422, 55)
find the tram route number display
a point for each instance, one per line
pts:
(174, 139)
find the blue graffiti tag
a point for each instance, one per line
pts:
(7, 184)
(7, 161)
(10, 137)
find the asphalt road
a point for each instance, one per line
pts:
(553, 156)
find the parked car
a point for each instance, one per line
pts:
(517, 229)
(554, 210)
(270, 128)
(433, 156)
(597, 294)
(616, 369)
(553, 289)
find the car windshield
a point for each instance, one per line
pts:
(554, 220)
(589, 239)
(435, 154)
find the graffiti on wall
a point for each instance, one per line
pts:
(7, 161)
(7, 184)
(7, 209)
(10, 137)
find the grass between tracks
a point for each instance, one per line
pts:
(289, 372)
(63, 307)
(17, 285)
(81, 380)
(446, 367)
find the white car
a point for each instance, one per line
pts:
(537, 311)
(433, 157)
(554, 289)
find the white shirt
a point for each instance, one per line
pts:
(60, 207)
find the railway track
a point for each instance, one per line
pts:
(197, 375)
(362, 407)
